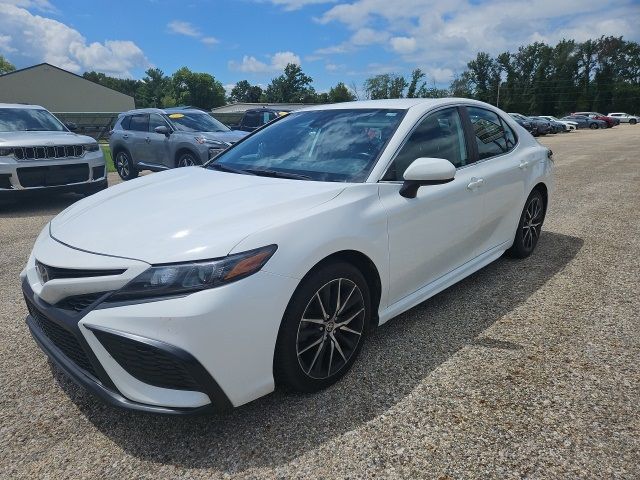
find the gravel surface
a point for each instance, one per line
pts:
(527, 369)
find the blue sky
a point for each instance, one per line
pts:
(332, 40)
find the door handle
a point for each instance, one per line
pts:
(475, 183)
(524, 164)
(125, 136)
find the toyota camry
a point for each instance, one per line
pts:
(203, 288)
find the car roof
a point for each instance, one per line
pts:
(398, 104)
(164, 111)
(21, 105)
(268, 109)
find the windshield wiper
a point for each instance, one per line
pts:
(277, 174)
(224, 168)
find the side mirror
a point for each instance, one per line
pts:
(426, 171)
(163, 130)
(71, 126)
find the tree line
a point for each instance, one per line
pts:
(601, 75)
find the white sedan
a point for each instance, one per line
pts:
(204, 288)
(569, 124)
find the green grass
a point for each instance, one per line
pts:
(107, 156)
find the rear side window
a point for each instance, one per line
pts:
(252, 119)
(125, 122)
(139, 123)
(493, 135)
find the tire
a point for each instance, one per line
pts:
(593, 126)
(310, 321)
(529, 226)
(633, 121)
(124, 165)
(187, 159)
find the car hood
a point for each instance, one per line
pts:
(231, 136)
(28, 139)
(184, 214)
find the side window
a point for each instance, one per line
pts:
(139, 123)
(156, 120)
(125, 122)
(493, 135)
(439, 135)
(252, 119)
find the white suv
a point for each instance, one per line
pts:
(38, 152)
(625, 118)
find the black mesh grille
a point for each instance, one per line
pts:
(41, 153)
(98, 172)
(62, 338)
(57, 272)
(53, 175)
(77, 303)
(147, 363)
(5, 180)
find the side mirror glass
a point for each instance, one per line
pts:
(426, 171)
(162, 129)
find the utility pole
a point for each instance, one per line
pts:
(498, 97)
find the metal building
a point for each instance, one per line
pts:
(60, 91)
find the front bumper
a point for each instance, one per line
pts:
(207, 351)
(84, 174)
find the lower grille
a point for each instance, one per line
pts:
(53, 175)
(98, 172)
(5, 181)
(147, 363)
(62, 338)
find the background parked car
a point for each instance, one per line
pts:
(158, 139)
(625, 118)
(524, 122)
(257, 117)
(569, 126)
(38, 152)
(538, 127)
(610, 121)
(585, 122)
(554, 127)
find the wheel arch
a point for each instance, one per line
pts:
(544, 191)
(182, 150)
(369, 271)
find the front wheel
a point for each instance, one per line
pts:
(529, 227)
(593, 126)
(633, 121)
(323, 328)
(187, 159)
(124, 166)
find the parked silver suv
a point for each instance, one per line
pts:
(158, 139)
(38, 152)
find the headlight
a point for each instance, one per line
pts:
(183, 278)
(91, 147)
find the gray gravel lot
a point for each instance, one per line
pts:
(527, 369)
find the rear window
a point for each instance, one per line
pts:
(139, 123)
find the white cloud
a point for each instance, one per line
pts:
(32, 39)
(403, 44)
(447, 34)
(297, 4)
(209, 40)
(277, 62)
(183, 28)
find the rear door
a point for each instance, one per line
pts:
(138, 135)
(503, 170)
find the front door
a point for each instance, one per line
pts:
(435, 232)
(158, 150)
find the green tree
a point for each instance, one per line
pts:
(293, 86)
(199, 90)
(243, 91)
(416, 85)
(339, 93)
(5, 66)
(155, 89)
(388, 85)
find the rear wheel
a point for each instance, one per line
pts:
(323, 328)
(124, 165)
(529, 227)
(633, 121)
(593, 126)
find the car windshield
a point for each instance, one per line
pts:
(29, 120)
(323, 145)
(196, 122)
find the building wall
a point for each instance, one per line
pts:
(60, 91)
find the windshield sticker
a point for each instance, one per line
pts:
(176, 115)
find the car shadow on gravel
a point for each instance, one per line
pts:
(397, 358)
(37, 205)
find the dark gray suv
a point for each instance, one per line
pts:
(158, 139)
